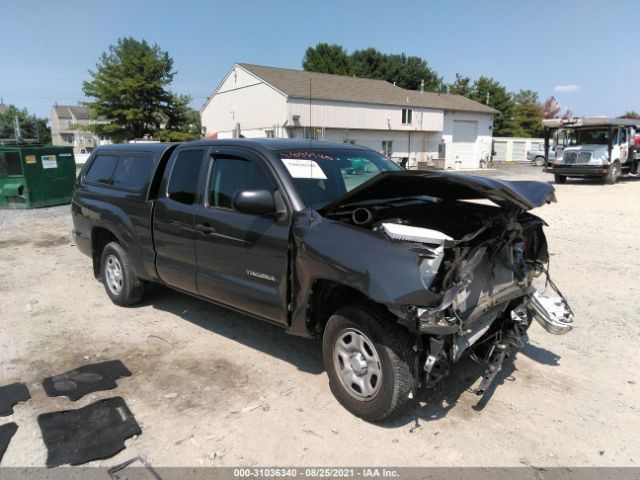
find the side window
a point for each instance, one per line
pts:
(132, 171)
(232, 174)
(184, 177)
(622, 136)
(407, 113)
(387, 148)
(101, 169)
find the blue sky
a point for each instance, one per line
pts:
(583, 51)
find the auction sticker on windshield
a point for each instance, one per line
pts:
(300, 168)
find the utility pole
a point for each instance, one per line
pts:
(35, 122)
(16, 128)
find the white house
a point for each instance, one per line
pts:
(258, 101)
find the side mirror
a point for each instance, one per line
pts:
(255, 202)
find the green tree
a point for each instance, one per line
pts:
(492, 93)
(325, 58)
(631, 114)
(31, 127)
(367, 63)
(182, 123)
(405, 71)
(410, 73)
(461, 86)
(130, 90)
(527, 114)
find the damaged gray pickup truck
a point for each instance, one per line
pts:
(401, 272)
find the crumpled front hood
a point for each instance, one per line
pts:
(523, 195)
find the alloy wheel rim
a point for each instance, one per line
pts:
(113, 271)
(357, 364)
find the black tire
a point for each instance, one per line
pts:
(539, 161)
(125, 289)
(393, 347)
(560, 179)
(613, 174)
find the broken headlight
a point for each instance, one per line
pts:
(429, 266)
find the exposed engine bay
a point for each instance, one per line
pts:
(481, 260)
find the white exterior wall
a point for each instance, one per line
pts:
(529, 144)
(245, 99)
(424, 145)
(482, 149)
(323, 113)
(242, 98)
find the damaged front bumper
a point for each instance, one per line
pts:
(553, 313)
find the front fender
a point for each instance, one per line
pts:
(357, 257)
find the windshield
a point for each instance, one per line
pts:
(596, 136)
(322, 175)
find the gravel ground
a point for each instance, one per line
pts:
(212, 387)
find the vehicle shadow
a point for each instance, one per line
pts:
(304, 353)
(435, 403)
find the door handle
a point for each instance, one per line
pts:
(205, 228)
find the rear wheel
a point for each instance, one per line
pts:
(613, 174)
(560, 178)
(539, 161)
(369, 360)
(122, 285)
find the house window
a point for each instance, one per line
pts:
(387, 147)
(313, 133)
(407, 115)
(68, 138)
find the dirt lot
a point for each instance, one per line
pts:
(211, 387)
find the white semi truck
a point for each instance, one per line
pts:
(593, 147)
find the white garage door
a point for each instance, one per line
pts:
(463, 146)
(501, 151)
(518, 152)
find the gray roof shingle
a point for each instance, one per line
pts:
(341, 88)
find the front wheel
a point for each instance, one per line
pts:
(613, 174)
(560, 178)
(539, 161)
(369, 360)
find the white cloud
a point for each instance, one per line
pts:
(568, 88)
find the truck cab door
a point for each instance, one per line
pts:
(173, 219)
(623, 141)
(242, 258)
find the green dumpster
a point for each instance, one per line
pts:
(36, 175)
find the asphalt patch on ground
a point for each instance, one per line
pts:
(10, 395)
(93, 432)
(7, 431)
(75, 384)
